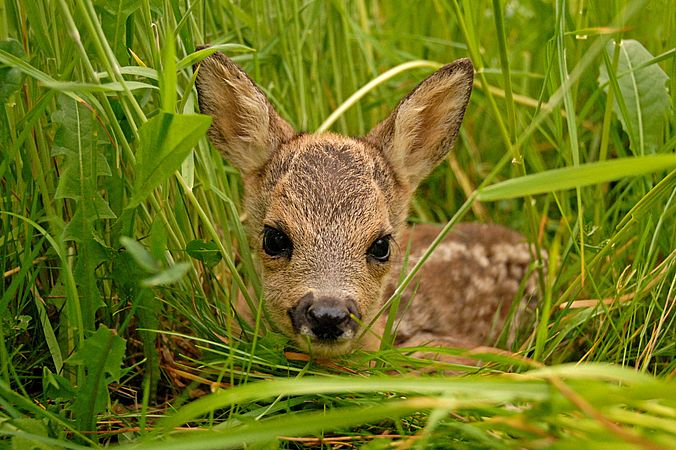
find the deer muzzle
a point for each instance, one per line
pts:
(325, 318)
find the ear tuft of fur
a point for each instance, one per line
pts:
(421, 130)
(245, 127)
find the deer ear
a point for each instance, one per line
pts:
(422, 129)
(246, 129)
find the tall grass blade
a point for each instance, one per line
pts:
(573, 177)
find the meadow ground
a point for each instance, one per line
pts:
(121, 240)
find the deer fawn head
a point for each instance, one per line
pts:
(325, 211)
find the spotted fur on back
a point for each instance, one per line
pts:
(466, 288)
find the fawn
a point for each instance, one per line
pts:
(326, 216)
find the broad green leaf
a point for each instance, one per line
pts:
(103, 341)
(167, 276)
(101, 355)
(56, 387)
(32, 427)
(207, 252)
(644, 100)
(164, 142)
(77, 140)
(141, 256)
(572, 177)
(147, 262)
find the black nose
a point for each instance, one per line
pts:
(325, 318)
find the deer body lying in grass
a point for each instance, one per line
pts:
(327, 218)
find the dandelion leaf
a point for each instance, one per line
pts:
(641, 96)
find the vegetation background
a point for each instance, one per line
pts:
(121, 245)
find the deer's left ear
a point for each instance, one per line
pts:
(422, 129)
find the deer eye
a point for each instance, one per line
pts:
(276, 243)
(380, 249)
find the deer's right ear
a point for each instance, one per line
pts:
(246, 129)
(422, 129)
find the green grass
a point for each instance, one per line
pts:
(122, 249)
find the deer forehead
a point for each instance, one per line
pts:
(329, 185)
(323, 154)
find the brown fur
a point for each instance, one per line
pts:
(335, 196)
(467, 286)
